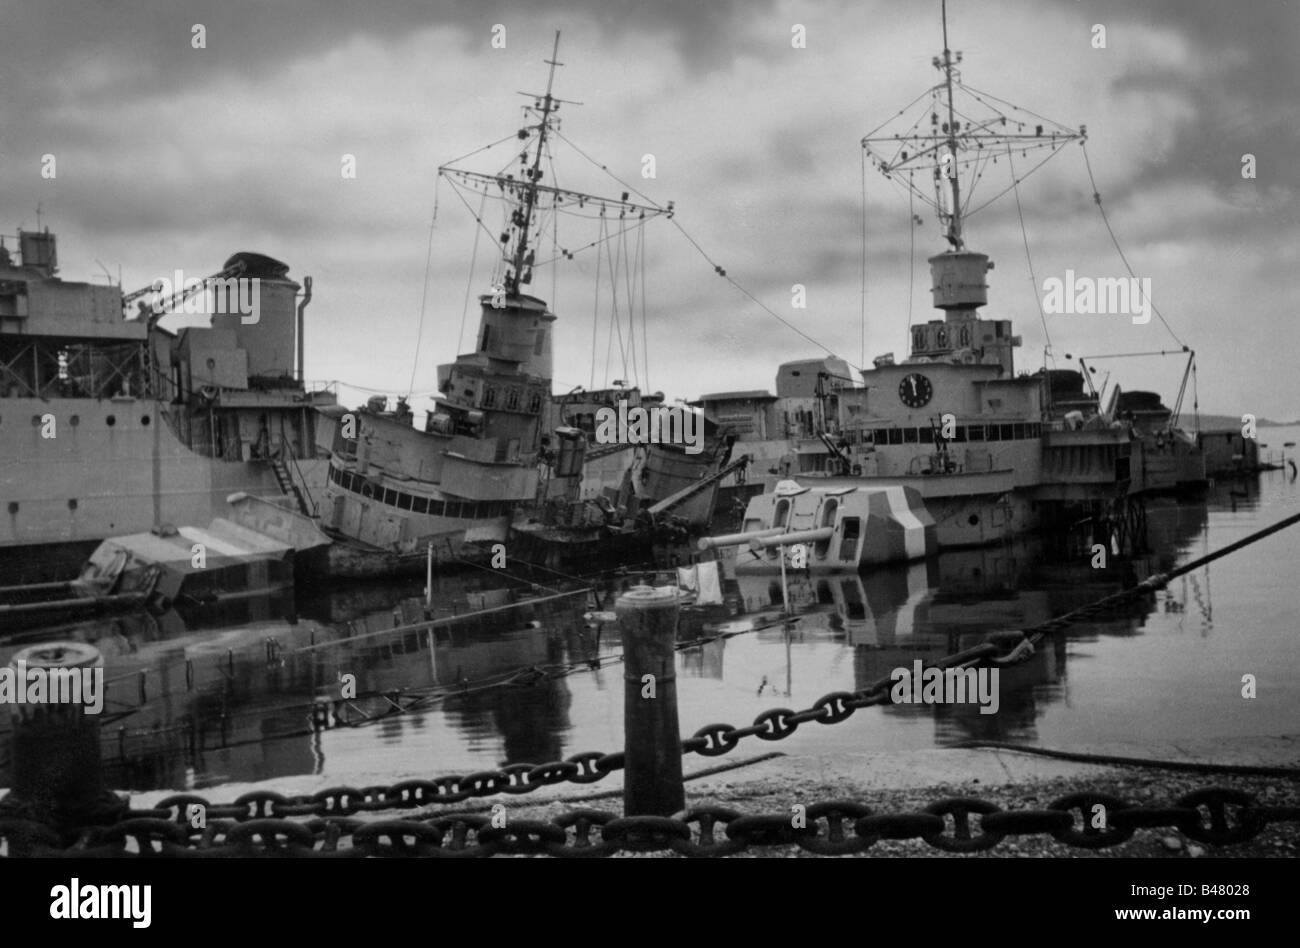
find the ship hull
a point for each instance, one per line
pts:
(106, 468)
(969, 510)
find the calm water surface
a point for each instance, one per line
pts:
(1165, 668)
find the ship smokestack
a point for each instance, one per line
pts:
(306, 298)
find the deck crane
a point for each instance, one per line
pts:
(155, 311)
(151, 313)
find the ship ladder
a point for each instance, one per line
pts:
(287, 485)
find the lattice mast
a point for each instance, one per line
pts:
(980, 129)
(529, 199)
(953, 156)
(521, 257)
(954, 224)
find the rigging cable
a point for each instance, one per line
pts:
(1196, 413)
(1096, 196)
(716, 267)
(555, 233)
(595, 311)
(629, 283)
(1033, 280)
(424, 293)
(605, 168)
(615, 325)
(767, 309)
(478, 220)
(511, 137)
(911, 258)
(862, 308)
(630, 280)
(614, 321)
(571, 254)
(469, 282)
(645, 341)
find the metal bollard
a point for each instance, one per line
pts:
(57, 774)
(652, 746)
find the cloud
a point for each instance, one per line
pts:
(174, 157)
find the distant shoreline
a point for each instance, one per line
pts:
(1230, 422)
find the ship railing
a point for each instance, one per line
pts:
(935, 464)
(314, 387)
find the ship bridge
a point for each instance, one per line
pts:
(59, 338)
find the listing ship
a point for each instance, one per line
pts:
(626, 499)
(112, 424)
(491, 454)
(398, 492)
(1170, 458)
(1167, 457)
(640, 475)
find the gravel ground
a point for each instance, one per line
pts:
(1146, 787)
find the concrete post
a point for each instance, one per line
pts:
(57, 777)
(652, 782)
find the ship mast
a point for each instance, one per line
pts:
(954, 220)
(980, 130)
(527, 200)
(524, 219)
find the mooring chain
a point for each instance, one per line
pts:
(1214, 816)
(712, 740)
(321, 709)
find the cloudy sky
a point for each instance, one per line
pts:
(174, 157)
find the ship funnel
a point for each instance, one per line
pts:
(958, 280)
(517, 328)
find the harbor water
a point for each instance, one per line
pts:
(200, 704)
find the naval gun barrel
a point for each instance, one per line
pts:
(759, 542)
(735, 539)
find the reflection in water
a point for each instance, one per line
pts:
(234, 697)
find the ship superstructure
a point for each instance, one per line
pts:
(110, 423)
(984, 446)
(488, 454)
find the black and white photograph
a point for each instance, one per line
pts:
(681, 432)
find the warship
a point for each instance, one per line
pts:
(994, 452)
(498, 458)
(111, 423)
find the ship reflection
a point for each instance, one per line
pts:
(504, 677)
(234, 697)
(892, 617)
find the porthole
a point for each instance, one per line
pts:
(72, 504)
(74, 420)
(13, 506)
(974, 520)
(111, 420)
(36, 421)
(144, 420)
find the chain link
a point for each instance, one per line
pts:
(1215, 815)
(713, 740)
